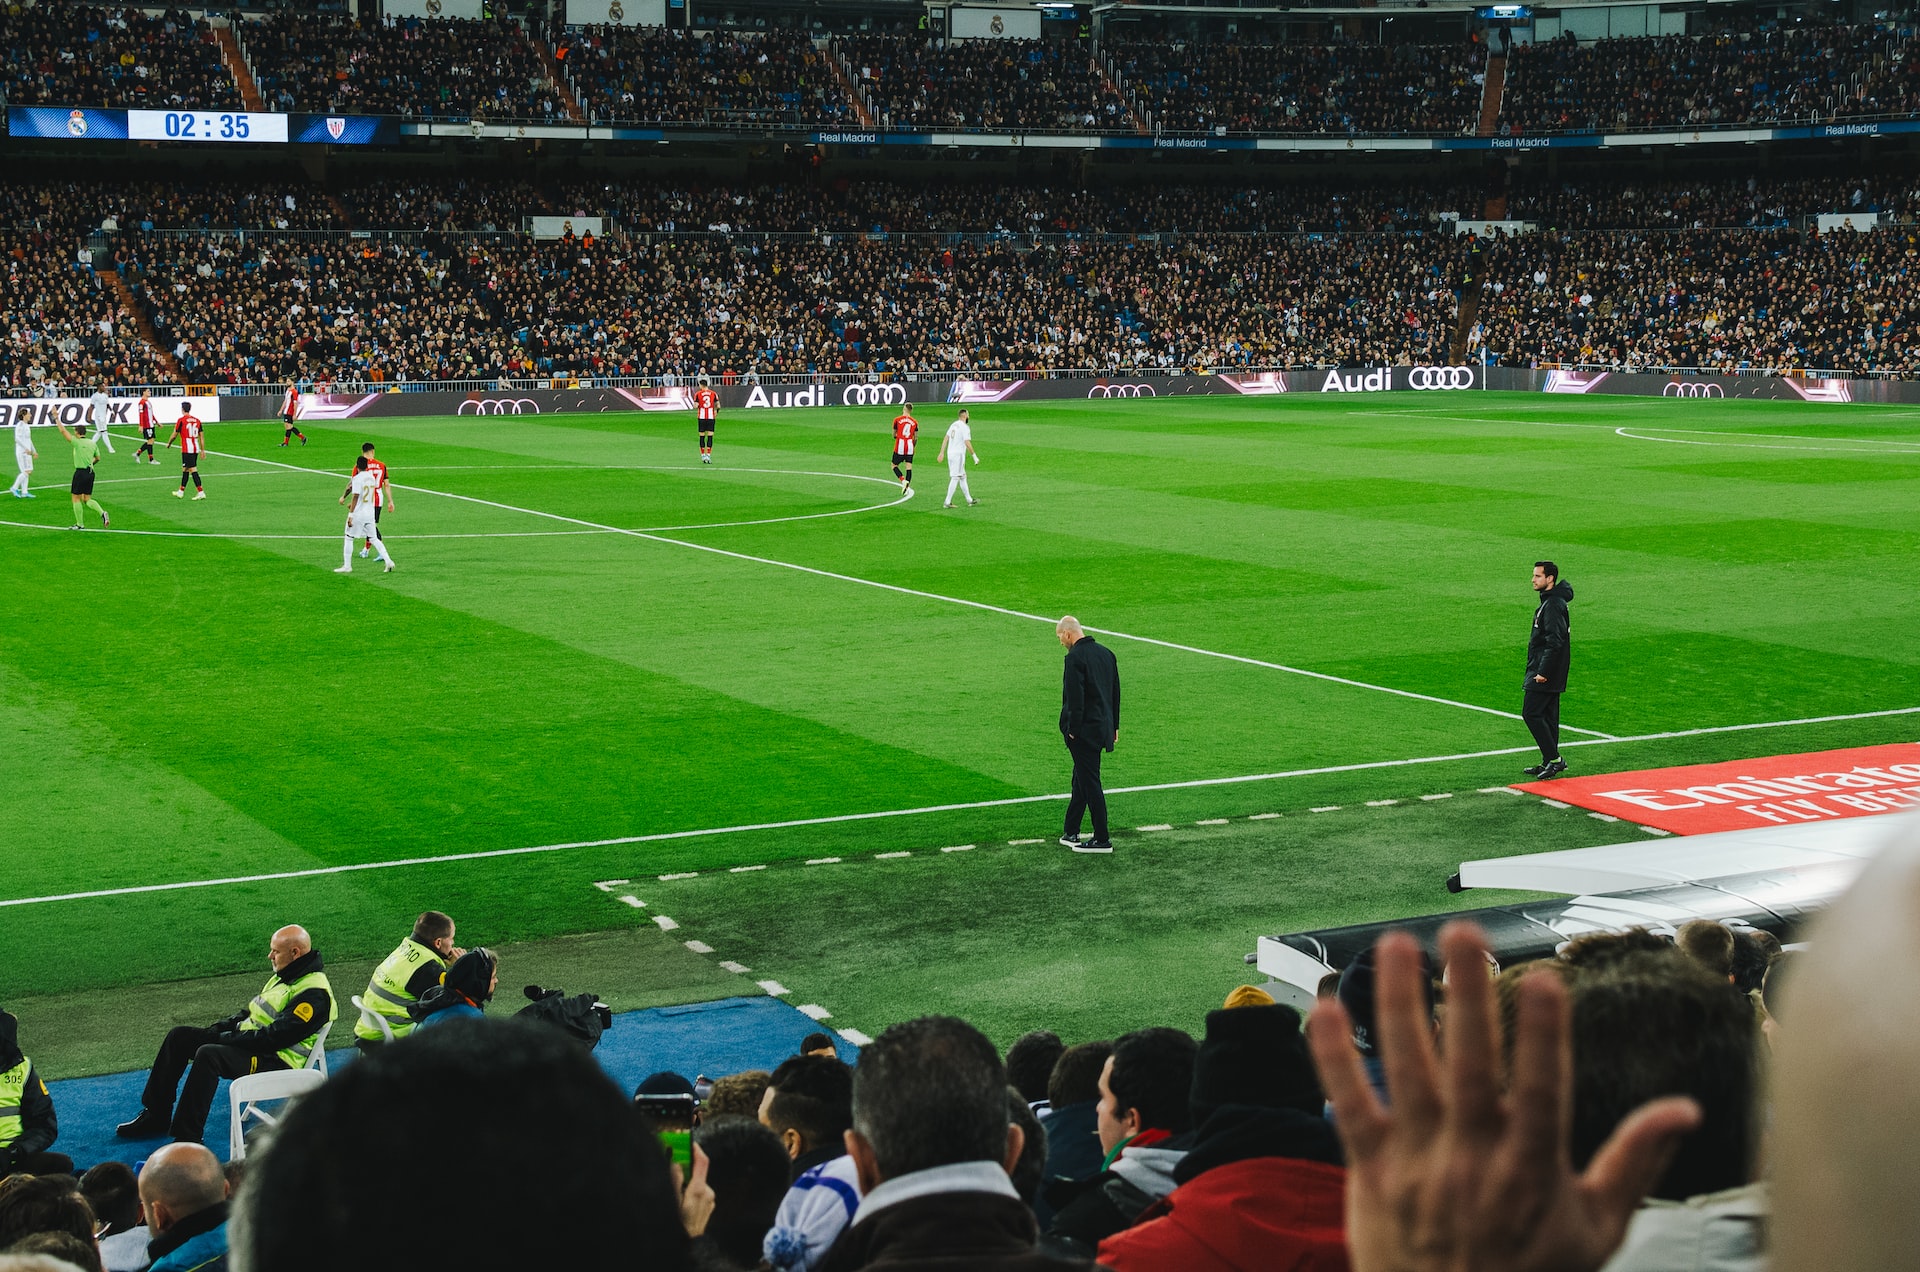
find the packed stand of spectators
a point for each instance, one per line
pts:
(74, 55)
(1304, 88)
(1746, 300)
(1635, 1102)
(495, 204)
(438, 68)
(984, 85)
(272, 310)
(60, 322)
(184, 203)
(1706, 203)
(1782, 75)
(659, 76)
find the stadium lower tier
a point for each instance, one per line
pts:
(219, 309)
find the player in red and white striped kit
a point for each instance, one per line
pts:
(186, 431)
(905, 430)
(706, 403)
(289, 408)
(145, 418)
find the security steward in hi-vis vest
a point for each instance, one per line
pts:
(27, 1124)
(410, 971)
(275, 1031)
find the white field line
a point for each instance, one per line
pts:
(841, 818)
(932, 596)
(1630, 435)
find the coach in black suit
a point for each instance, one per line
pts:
(1090, 722)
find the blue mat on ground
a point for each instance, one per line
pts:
(714, 1038)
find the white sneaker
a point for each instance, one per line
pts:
(179, 494)
(972, 502)
(199, 494)
(343, 569)
(364, 554)
(389, 569)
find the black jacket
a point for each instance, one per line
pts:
(1550, 648)
(38, 1126)
(290, 1029)
(947, 1232)
(1090, 693)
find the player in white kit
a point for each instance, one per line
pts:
(360, 497)
(23, 455)
(954, 448)
(99, 410)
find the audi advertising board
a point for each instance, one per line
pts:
(1415, 379)
(1778, 388)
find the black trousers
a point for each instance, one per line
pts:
(192, 1051)
(1541, 711)
(1087, 797)
(36, 1164)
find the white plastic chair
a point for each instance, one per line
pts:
(250, 1092)
(317, 1058)
(368, 1016)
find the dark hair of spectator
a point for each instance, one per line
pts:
(749, 1173)
(433, 925)
(516, 1109)
(1030, 1062)
(1779, 974)
(1329, 987)
(737, 1094)
(1709, 944)
(49, 1203)
(235, 1172)
(1548, 568)
(814, 1096)
(1751, 957)
(1657, 1023)
(1030, 1171)
(1597, 949)
(931, 1092)
(64, 1246)
(1153, 1075)
(113, 1192)
(815, 1042)
(1076, 1074)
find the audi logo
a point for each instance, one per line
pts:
(499, 406)
(1440, 377)
(874, 395)
(1122, 391)
(1691, 389)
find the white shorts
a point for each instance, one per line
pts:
(360, 527)
(23, 460)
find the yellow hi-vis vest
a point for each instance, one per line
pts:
(13, 1092)
(387, 994)
(271, 1004)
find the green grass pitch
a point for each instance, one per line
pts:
(210, 701)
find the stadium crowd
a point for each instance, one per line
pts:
(75, 55)
(1639, 1101)
(1344, 88)
(1781, 75)
(659, 76)
(984, 85)
(447, 68)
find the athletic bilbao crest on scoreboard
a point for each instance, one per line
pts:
(1780, 790)
(336, 127)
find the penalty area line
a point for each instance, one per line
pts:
(843, 818)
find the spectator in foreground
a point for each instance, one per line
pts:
(1030, 1062)
(933, 1145)
(1466, 1167)
(747, 1171)
(736, 1095)
(1709, 944)
(1262, 1184)
(1143, 1116)
(809, 1105)
(1772, 990)
(463, 993)
(28, 1125)
(71, 1251)
(1029, 1172)
(43, 1203)
(114, 1194)
(184, 1193)
(1847, 1099)
(818, 1044)
(556, 1169)
(1357, 996)
(1072, 1122)
(35, 1262)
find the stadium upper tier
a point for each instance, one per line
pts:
(501, 70)
(101, 285)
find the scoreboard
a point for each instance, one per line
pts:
(201, 127)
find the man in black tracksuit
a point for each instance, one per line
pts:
(1549, 652)
(1090, 723)
(28, 1126)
